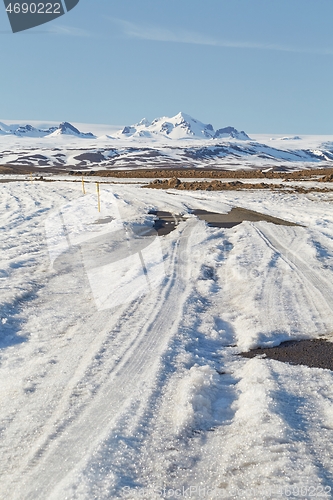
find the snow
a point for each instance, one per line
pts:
(118, 352)
(146, 150)
(179, 127)
(27, 130)
(66, 128)
(176, 142)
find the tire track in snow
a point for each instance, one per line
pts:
(263, 449)
(47, 476)
(297, 263)
(71, 370)
(28, 219)
(306, 392)
(317, 286)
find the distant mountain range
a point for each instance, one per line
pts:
(64, 128)
(180, 141)
(181, 126)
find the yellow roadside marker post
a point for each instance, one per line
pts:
(98, 196)
(83, 188)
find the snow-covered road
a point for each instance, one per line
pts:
(119, 375)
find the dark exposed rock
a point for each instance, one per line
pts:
(231, 132)
(94, 157)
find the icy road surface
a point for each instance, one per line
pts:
(119, 375)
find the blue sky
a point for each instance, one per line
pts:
(265, 66)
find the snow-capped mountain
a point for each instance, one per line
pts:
(25, 130)
(180, 126)
(64, 128)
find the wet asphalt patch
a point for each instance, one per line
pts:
(236, 216)
(316, 353)
(166, 222)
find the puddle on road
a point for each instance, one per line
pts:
(165, 222)
(317, 353)
(237, 216)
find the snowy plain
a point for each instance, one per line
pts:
(118, 349)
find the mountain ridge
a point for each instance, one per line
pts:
(179, 127)
(64, 128)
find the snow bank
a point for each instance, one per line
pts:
(193, 398)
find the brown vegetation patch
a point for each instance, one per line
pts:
(28, 169)
(217, 173)
(217, 185)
